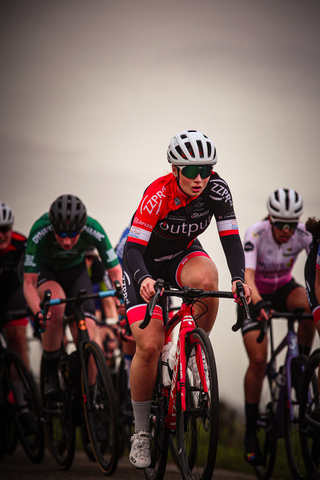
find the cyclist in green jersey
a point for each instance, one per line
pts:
(55, 260)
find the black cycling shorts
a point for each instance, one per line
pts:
(14, 302)
(71, 280)
(168, 270)
(278, 300)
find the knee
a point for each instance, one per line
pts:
(205, 280)
(258, 365)
(149, 352)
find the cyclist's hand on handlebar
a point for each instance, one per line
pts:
(247, 292)
(263, 310)
(147, 290)
(121, 309)
(40, 323)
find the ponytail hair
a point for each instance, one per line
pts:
(313, 226)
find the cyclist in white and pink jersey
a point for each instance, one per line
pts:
(271, 249)
(162, 243)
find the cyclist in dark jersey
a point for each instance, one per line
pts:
(54, 260)
(12, 247)
(162, 242)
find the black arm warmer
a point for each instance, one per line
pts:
(234, 253)
(134, 261)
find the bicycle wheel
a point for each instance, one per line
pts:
(25, 402)
(192, 453)
(265, 432)
(59, 424)
(200, 421)
(310, 416)
(8, 430)
(100, 409)
(291, 433)
(125, 411)
(159, 433)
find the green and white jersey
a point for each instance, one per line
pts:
(42, 247)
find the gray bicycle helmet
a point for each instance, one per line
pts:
(67, 214)
(285, 204)
(191, 147)
(6, 215)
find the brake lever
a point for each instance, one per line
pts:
(244, 304)
(158, 286)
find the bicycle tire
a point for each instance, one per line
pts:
(192, 453)
(265, 432)
(100, 410)
(291, 432)
(310, 411)
(159, 433)
(59, 423)
(125, 411)
(86, 443)
(32, 442)
(201, 407)
(8, 429)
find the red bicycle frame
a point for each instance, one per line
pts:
(187, 324)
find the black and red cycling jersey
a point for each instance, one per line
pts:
(9, 259)
(11, 296)
(168, 221)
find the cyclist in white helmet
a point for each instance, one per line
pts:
(163, 243)
(12, 247)
(271, 249)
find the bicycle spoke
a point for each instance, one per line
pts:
(59, 425)
(159, 435)
(100, 409)
(292, 438)
(197, 427)
(265, 433)
(25, 403)
(310, 416)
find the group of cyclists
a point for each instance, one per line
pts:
(162, 242)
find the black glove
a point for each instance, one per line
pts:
(262, 304)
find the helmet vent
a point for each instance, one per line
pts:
(180, 152)
(287, 198)
(190, 149)
(209, 149)
(200, 147)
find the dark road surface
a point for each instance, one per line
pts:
(18, 467)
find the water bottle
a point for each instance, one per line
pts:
(172, 358)
(166, 379)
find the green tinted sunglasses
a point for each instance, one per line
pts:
(191, 171)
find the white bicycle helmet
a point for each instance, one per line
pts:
(191, 147)
(285, 204)
(6, 215)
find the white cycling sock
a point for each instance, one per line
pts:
(141, 412)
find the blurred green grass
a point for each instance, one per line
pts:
(230, 453)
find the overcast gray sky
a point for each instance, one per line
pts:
(92, 92)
